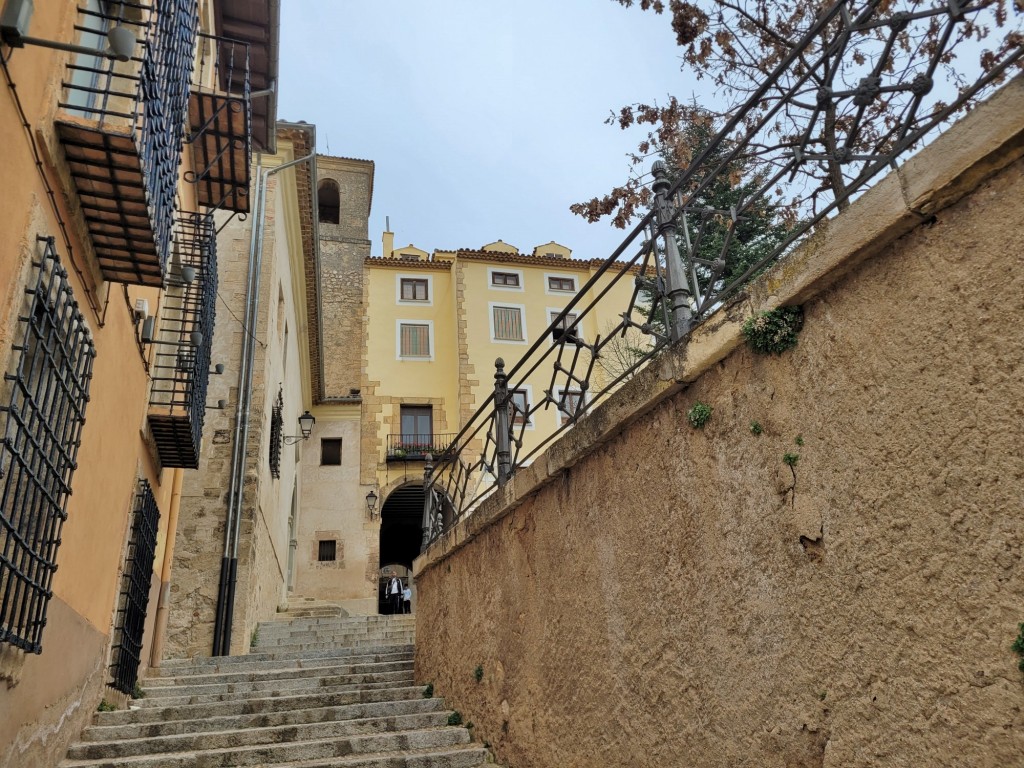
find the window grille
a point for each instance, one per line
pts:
(327, 551)
(276, 427)
(47, 390)
(508, 323)
(181, 362)
(130, 621)
(415, 340)
(124, 132)
(414, 290)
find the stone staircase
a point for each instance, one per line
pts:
(316, 692)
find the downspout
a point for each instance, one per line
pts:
(229, 564)
(241, 408)
(164, 601)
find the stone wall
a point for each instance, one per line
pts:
(704, 604)
(343, 248)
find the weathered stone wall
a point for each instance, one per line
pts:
(647, 594)
(343, 248)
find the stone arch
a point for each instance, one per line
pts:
(328, 201)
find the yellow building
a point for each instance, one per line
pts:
(435, 324)
(116, 157)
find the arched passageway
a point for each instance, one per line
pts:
(401, 531)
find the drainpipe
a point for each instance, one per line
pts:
(229, 561)
(164, 600)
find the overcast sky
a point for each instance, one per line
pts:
(484, 118)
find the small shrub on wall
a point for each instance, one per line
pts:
(774, 331)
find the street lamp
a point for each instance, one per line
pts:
(371, 503)
(306, 422)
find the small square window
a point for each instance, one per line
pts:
(330, 452)
(508, 324)
(415, 340)
(327, 551)
(565, 328)
(509, 279)
(562, 283)
(414, 289)
(521, 406)
(568, 404)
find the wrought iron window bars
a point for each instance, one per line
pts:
(122, 128)
(130, 620)
(276, 434)
(47, 387)
(220, 125)
(840, 65)
(181, 359)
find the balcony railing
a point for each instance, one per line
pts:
(416, 447)
(220, 125)
(122, 128)
(181, 359)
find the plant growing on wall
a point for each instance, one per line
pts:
(478, 673)
(699, 415)
(1018, 646)
(756, 428)
(774, 331)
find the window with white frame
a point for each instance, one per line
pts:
(414, 289)
(561, 283)
(520, 400)
(414, 340)
(507, 323)
(506, 279)
(567, 403)
(566, 327)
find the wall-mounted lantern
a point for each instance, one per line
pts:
(371, 503)
(306, 422)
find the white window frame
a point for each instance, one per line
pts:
(522, 317)
(553, 312)
(551, 292)
(398, 341)
(559, 413)
(429, 302)
(531, 422)
(493, 287)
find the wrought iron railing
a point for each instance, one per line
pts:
(47, 391)
(130, 619)
(682, 255)
(122, 127)
(410, 447)
(220, 124)
(276, 434)
(181, 359)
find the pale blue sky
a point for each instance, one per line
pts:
(484, 118)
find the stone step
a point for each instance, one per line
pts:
(341, 634)
(194, 742)
(252, 706)
(288, 751)
(155, 684)
(263, 719)
(325, 645)
(369, 622)
(313, 688)
(278, 659)
(275, 684)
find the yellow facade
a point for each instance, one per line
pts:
(50, 693)
(477, 306)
